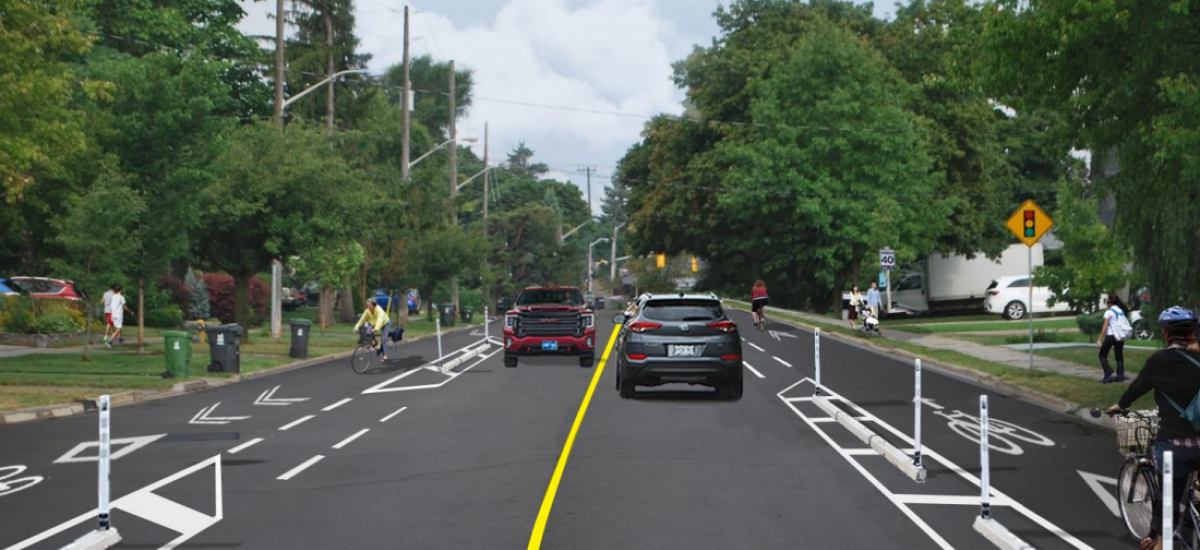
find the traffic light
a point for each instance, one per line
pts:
(695, 265)
(661, 260)
(1029, 224)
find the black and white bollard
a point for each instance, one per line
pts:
(105, 535)
(817, 359)
(985, 510)
(917, 416)
(486, 323)
(1168, 503)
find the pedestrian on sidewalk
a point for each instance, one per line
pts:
(873, 299)
(1112, 338)
(107, 299)
(856, 301)
(118, 315)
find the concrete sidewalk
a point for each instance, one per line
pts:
(996, 354)
(129, 345)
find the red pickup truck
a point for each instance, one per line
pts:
(550, 321)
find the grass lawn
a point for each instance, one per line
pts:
(1063, 336)
(1134, 358)
(50, 378)
(1086, 393)
(1061, 324)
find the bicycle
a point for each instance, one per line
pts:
(761, 320)
(1138, 483)
(368, 348)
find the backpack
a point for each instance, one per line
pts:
(1121, 328)
(1192, 413)
(397, 334)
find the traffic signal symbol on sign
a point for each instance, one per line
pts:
(1029, 223)
(695, 264)
(661, 260)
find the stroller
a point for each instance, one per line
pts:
(870, 322)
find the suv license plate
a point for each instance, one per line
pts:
(684, 351)
(550, 346)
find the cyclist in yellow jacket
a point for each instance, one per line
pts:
(376, 321)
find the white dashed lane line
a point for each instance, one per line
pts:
(348, 440)
(389, 417)
(304, 466)
(244, 446)
(785, 363)
(756, 347)
(338, 404)
(756, 373)
(295, 423)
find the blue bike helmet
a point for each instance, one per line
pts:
(1177, 320)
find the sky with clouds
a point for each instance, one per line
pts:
(612, 56)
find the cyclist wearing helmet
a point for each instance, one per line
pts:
(376, 319)
(1174, 375)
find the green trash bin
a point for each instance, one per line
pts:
(178, 353)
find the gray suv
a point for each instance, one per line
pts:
(679, 338)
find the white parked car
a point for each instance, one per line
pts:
(1009, 297)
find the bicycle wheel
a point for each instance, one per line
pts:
(361, 360)
(1136, 494)
(762, 321)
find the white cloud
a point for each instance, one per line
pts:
(611, 55)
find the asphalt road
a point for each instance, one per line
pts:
(404, 456)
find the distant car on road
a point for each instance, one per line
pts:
(292, 298)
(1009, 297)
(7, 287)
(45, 288)
(550, 321)
(680, 338)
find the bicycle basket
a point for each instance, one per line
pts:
(1136, 431)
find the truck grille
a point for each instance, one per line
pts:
(549, 323)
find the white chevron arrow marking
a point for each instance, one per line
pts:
(203, 418)
(268, 398)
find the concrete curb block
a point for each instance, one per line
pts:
(470, 354)
(970, 376)
(1000, 535)
(878, 444)
(95, 540)
(182, 388)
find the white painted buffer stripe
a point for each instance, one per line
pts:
(244, 446)
(304, 466)
(785, 363)
(338, 404)
(348, 440)
(295, 423)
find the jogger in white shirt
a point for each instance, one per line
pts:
(118, 315)
(108, 311)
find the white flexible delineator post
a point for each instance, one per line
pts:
(1168, 503)
(437, 322)
(985, 511)
(917, 415)
(486, 321)
(105, 453)
(817, 361)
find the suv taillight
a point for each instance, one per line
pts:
(993, 293)
(725, 326)
(644, 326)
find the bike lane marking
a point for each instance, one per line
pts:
(351, 439)
(245, 446)
(389, 417)
(338, 404)
(781, 361)
(539, 526)
(297, 422)
(926, 452)
(756, 373)
(303, 466)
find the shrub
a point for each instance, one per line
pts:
(168, 316)
(57, 322)
(181, 293)
(1042, 335)
(18, 320)
(220, 296)
(1090, 323)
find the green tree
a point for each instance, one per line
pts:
(430, 79)
(1093, 261)
(1121, 74)
(332, 266)
(519, 163)
(99, 236)
(275, 195)
(310, 59)
(443, 254)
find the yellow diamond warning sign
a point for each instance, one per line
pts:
(1029, 223)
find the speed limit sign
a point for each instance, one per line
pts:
(887, 259)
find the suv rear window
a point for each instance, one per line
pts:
(561, 296)
(683, 310)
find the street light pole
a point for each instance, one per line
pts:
(590, 287)
(439, 146)
(612, 270)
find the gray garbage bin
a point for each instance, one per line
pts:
(299, 339)
(224, 348)
(447, 311)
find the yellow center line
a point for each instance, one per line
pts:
(539, 527)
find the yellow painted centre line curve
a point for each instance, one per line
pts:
(539, 527)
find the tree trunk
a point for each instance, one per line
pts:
(87, 330)
(241, 302)
(325, 308)
(141, 314)
(346, 305)
(429, 292)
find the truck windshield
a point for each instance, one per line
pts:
(560, 296)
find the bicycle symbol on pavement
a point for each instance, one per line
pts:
(9, 486)
(1002, 436)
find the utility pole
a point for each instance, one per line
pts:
(404, 100)
(612, 269)
(485, 177)
(588, 171)
(280, 61)
(453, 134)
(329, 70)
